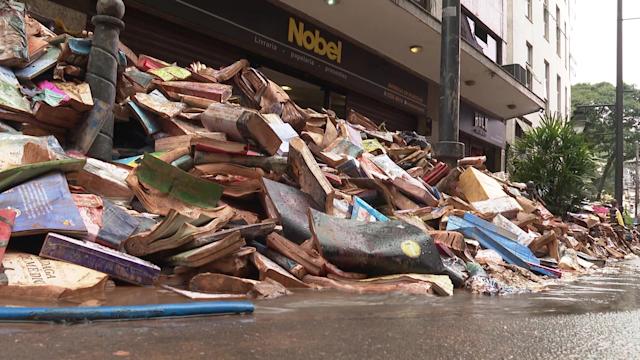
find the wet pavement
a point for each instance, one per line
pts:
(594, 317)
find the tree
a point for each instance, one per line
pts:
(557, 160)
(599, 130)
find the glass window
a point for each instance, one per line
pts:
(546, 83)
(489, 43)
(425, 4)
(337, 103)
(546, 19)
(558, 33)
(566, 101)
(529, 10)
(566, 47)
(305, 94)
(559, 100)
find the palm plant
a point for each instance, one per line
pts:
(555, 158)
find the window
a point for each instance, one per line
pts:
(558, 33)
(486, 41)
(546, 19)
(529, 10)
(529, 65)
(566, 101)
(425, 4)
(566, 47)
(547, 84)
(559, 100)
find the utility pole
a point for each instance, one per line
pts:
(635, 178)
(448, 148)
(619, 165)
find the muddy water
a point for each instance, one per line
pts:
(613, 288)
(616, 288)
(595, 316)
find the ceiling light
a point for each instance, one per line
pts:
(511, 106)
(332, 2)
(415, 48)
(286, 87)
(469, 82)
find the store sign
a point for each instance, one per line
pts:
(480, 121)
(311, 40)
(482, 126)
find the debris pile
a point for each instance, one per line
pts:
(222, 187)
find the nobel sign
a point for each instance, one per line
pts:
(313, 41)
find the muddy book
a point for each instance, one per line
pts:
(116, 264)
(42, 205)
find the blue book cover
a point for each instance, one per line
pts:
(364, 212)
(42, 205)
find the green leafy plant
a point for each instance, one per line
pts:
(557, 160)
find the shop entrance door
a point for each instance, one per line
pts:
(306, 94)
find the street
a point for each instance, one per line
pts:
(595, 317)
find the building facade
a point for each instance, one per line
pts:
(382, 59)
(539, 39)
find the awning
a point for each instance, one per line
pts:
(391, 27)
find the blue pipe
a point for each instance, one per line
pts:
(123, 312)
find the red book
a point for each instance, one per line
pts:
(146, 62)
(7, 217)
(436, 174)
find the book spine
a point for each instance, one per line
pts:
(118, 268)
(219, 150)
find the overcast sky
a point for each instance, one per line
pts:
(594, 41)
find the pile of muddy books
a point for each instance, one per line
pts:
(220, 186)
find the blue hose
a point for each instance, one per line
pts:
(123, 312)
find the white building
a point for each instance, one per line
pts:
(538, 37)
(629, 186)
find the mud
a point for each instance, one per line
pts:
(595, 316)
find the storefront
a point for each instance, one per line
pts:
(319, 67)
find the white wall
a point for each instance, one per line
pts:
(521, 30)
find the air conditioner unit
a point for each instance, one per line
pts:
(518, 72)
